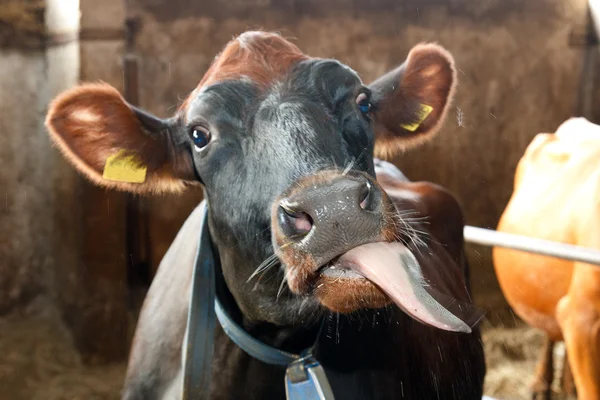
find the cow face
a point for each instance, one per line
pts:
(283, 145)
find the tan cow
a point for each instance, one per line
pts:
(557, 197)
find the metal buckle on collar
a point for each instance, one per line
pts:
(306, 379)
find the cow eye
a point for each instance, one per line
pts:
(363, 103)
(200, 137)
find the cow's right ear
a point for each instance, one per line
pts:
(115, 144)
(411, 101)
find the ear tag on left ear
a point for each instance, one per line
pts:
(123, 168)
(423, 113)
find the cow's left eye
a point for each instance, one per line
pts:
(200, 137)
(363, 103)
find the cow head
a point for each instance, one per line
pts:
(283, 145)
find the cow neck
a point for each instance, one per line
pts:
(240, 328)
(304, 374)
(285, 338)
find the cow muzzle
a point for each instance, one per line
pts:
(337, 236)
(319, 219)
(325, 217)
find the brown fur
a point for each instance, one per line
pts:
(348, 295)
(261, 57)
(301, 278)
(442, 228)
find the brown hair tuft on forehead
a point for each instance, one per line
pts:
(262, 57)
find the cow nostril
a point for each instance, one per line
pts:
(366, 197)
(294, 224)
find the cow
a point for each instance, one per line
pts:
(307, 224)
(554, 198)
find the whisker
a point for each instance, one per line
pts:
(348, 167)
(265, 265)
(250, 238)
(260, 280)
(414, 219)
(302, 305)
(340, 276)
(281, 286)
(271, 261)
(408, 229)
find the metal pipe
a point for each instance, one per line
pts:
(488, 237)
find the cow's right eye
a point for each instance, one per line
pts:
(200, 137)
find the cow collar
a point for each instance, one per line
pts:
(304, 378)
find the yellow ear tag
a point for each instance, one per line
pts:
(123, 169)
(423, 113)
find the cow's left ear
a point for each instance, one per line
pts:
(411, 101)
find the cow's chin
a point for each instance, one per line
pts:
(338, 287)
(344, 291)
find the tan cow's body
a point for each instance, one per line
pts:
(557, 197)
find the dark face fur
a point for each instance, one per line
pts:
(255, 140)
(255, 145)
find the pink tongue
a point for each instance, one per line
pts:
(396, 271)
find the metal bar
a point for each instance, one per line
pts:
(488, 237)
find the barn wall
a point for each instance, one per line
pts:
(46, 261)
(40, 217)
(518, 76)
(22, 259)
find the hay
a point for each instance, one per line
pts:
(512, 355)
(39, 361)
